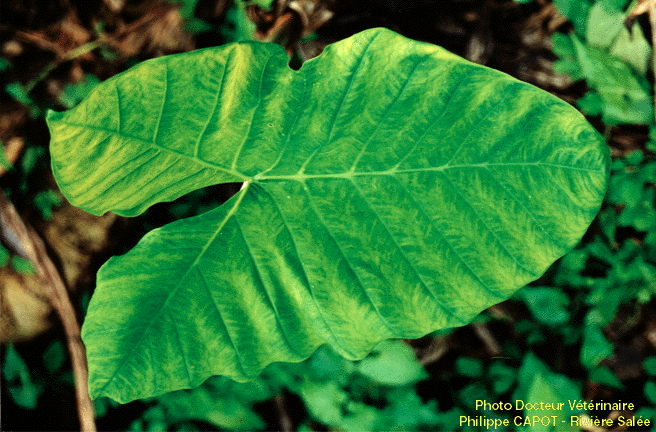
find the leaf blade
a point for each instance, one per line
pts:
(374, 208)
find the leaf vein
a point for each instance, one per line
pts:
(387, 111)
(392, 171)
(121, 177)
(182, 351)
(189, 177)
(405, 256)
(340, 106)
(266, 292)
(528, 212)
(118, 107)
(457, 189)
(252, 120)
(306, 277)
(177, 287)
(289, 133)
(223, 321)
(449, 244)
(474, 127)
(216, 103)
(450, 99)
(161, 109)
(350, 266)
(222, 169)
(552, 180)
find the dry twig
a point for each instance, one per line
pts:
(33, 249)
(435, 350)
(485, 335)
(285, 422)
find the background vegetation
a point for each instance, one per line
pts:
(585, 330)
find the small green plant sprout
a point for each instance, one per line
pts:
(391, 188)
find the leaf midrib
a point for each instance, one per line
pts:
(196, 159)
(302, 176)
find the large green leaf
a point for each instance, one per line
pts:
(392, 189)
